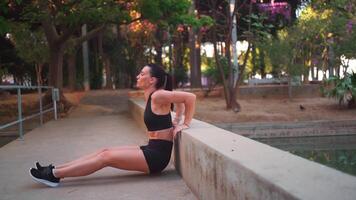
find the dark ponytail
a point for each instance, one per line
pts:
(164, 80)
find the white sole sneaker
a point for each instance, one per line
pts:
(35, 168)
(48, 183)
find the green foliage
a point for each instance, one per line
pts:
(73, 14)
(194, 22)
(343, 89)
(12, 64)
(3, 72)
(324, 20)
(282, 52)
(180, 75)
(171, 13)
(122, 57)
(180, 72)
(4, 25)
(30, 45)
(212, 72)
(96, 78)
(259, 30)
(323, 32)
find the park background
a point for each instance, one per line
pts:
(214, 48)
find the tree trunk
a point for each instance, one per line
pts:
(158, 47)
(262, 63)
(221, 70)
(331, 60)
(228, 56)
(39, 68)
(195, 71)
(107, 67)
(55, 75)
(177, 57)
(289, 87)
(222, 49)
(312, 72)
(306, 75)
(72, 71)
(236, 106)
(105, 61)
(243, 67)
(232, 102)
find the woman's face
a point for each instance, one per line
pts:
(144, 79)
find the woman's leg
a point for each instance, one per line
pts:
(121, 158)
(89, 156)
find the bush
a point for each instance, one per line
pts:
(343, 89)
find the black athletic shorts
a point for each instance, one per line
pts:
(157, 153)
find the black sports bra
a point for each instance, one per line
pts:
(156, 122)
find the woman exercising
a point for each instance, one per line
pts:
(151, 158)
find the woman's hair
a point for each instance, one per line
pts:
(164, 80)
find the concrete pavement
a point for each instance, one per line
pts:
(101, 120)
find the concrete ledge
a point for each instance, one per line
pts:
(218, 164)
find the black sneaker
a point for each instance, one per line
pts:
(44, 176)
(40, 167)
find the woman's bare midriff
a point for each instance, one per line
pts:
(165, 134)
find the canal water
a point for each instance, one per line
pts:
(338, 152)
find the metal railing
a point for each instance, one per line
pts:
(20, 118)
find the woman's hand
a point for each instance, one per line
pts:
(176, 121)
(179, 128)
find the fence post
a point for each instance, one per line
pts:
(55, 98)
(19, 110)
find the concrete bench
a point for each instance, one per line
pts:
(218, 164)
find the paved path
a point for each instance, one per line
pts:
(101, 120)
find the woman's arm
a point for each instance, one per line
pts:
(177, 97)
(179, 109)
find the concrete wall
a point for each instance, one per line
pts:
(218, 164)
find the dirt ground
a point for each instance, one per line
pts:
(213, 109)
(8, 105)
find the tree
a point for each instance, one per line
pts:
(31, 47)
(253, 29)
(328, 30)
(12, 64)
(61, 19)
(319, 38)
(168, 16)
(283, 52)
